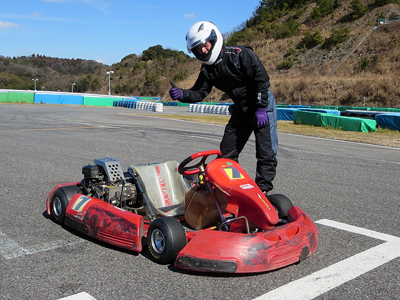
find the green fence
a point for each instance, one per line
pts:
(3, 97)
(99, 101)
(15, 97)
(335, 121)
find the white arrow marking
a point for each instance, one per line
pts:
(79, 296)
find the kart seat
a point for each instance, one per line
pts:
(163, 186)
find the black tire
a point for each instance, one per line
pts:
(166, 237)
(281, 203)
(60, 200)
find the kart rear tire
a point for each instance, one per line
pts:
(282, 204)
(60, 200)
(166, 237)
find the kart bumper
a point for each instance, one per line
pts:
(230, 252)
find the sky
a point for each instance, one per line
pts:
(109, 30)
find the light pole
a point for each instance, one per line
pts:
(35, 82)
(73, 87)
(109, 81)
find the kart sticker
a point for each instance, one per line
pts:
(80, 203)
(233, 173)
(163, 187)
(246, 186)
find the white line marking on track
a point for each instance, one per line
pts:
(79, 296)
(11, 249)
(359, 230)
(337, 274)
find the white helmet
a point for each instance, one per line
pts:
(200, 33)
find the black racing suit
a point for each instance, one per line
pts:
(240, 73)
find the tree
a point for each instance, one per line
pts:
(272, 10)
(95, 85)
(310, 40)
(11, 81)
(323, 8)
(83, 84)
(338, 36)
(158, 52)
(359, 9)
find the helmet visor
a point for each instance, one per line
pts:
(212, 37)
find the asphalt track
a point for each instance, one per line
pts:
(350, 190)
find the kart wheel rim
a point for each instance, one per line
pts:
(57, 206)
(157, 241)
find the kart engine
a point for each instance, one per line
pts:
(106, 181)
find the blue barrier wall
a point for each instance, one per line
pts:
(59, 99)
(285, 114)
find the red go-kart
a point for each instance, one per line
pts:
(209, 217)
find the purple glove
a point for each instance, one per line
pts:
(176, 93)
(261, 117)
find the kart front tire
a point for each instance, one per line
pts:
(282, 204)
(166, 237)
(60, 201)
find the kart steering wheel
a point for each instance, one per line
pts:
(183, 169)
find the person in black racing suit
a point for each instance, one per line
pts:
(237, 71)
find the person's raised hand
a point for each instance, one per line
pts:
(175, 93)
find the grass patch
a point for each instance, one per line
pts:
(383, 137)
